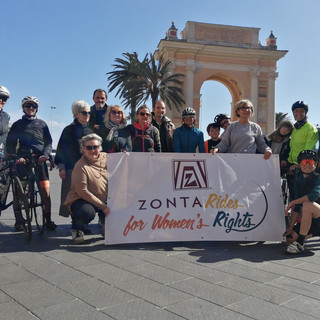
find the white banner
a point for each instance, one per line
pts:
(157, 197)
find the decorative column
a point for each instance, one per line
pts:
(254, 75)
(190, 68)
(272, 76)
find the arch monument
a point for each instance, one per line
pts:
(230, 55)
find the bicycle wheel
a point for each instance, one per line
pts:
(23, 203)
(37, 203)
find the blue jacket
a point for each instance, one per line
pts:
(186, 139)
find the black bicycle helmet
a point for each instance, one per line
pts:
(188, 112)
(300, 104)
(308, 154)
(221, 116)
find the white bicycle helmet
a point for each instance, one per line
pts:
(4, 92)
(30, 99)
(188, 112)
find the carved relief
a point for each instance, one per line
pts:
(226, 35)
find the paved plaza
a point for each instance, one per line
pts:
(51, 278)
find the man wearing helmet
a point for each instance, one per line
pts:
(303, 137)
(187, 137)
(31, 133)
(4, 117)
(305, 205)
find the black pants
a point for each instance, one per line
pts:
(83, 212)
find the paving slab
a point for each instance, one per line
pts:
(140, 309)
(71, 310)
(262, 310)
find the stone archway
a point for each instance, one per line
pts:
(230, 55)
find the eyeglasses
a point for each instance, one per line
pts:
(95, 147)
(3, 98)
(143, 114)
(30, 105)
(85, 113)
(118, 113)
(307, 161)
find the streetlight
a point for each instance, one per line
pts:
(52, 108)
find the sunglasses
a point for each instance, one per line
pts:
(85, 113)
(245, 108)
(143, 114)
(95, 147)
(188, 117)
(118, 113)
(3, 98)
(307, 161)
(30, 105)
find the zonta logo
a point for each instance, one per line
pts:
(189, 174)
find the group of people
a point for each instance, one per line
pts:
(101, 129)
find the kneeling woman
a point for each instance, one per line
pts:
(89, 187)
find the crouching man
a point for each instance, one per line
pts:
(305, 208)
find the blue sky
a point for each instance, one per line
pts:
(60, 51)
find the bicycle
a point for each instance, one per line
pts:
(33, 191)
(9, 177)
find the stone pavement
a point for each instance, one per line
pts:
(51, 278)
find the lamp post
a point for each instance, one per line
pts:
(52, 108)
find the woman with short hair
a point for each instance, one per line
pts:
(89, 187)
(69, 150)
(243, 136)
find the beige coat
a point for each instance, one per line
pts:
(89, 182)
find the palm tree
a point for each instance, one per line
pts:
(154, 80)
(280, 117)
(121, 77)
(137, 81)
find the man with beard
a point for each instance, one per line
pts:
(99, 109)
(164, 125)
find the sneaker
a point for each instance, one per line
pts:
(295, 247)
(18, 226)
(50, 225)
(77, 236)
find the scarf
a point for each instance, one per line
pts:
(299, 124)
(113, 133)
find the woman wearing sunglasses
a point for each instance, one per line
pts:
(69, 151)
(144, 136)
(305, 205)
(114, 133)
(188, 138)
(31, 133)
(243, 136)
(89, 187)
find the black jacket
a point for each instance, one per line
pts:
(29, 134)
(68, 149)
